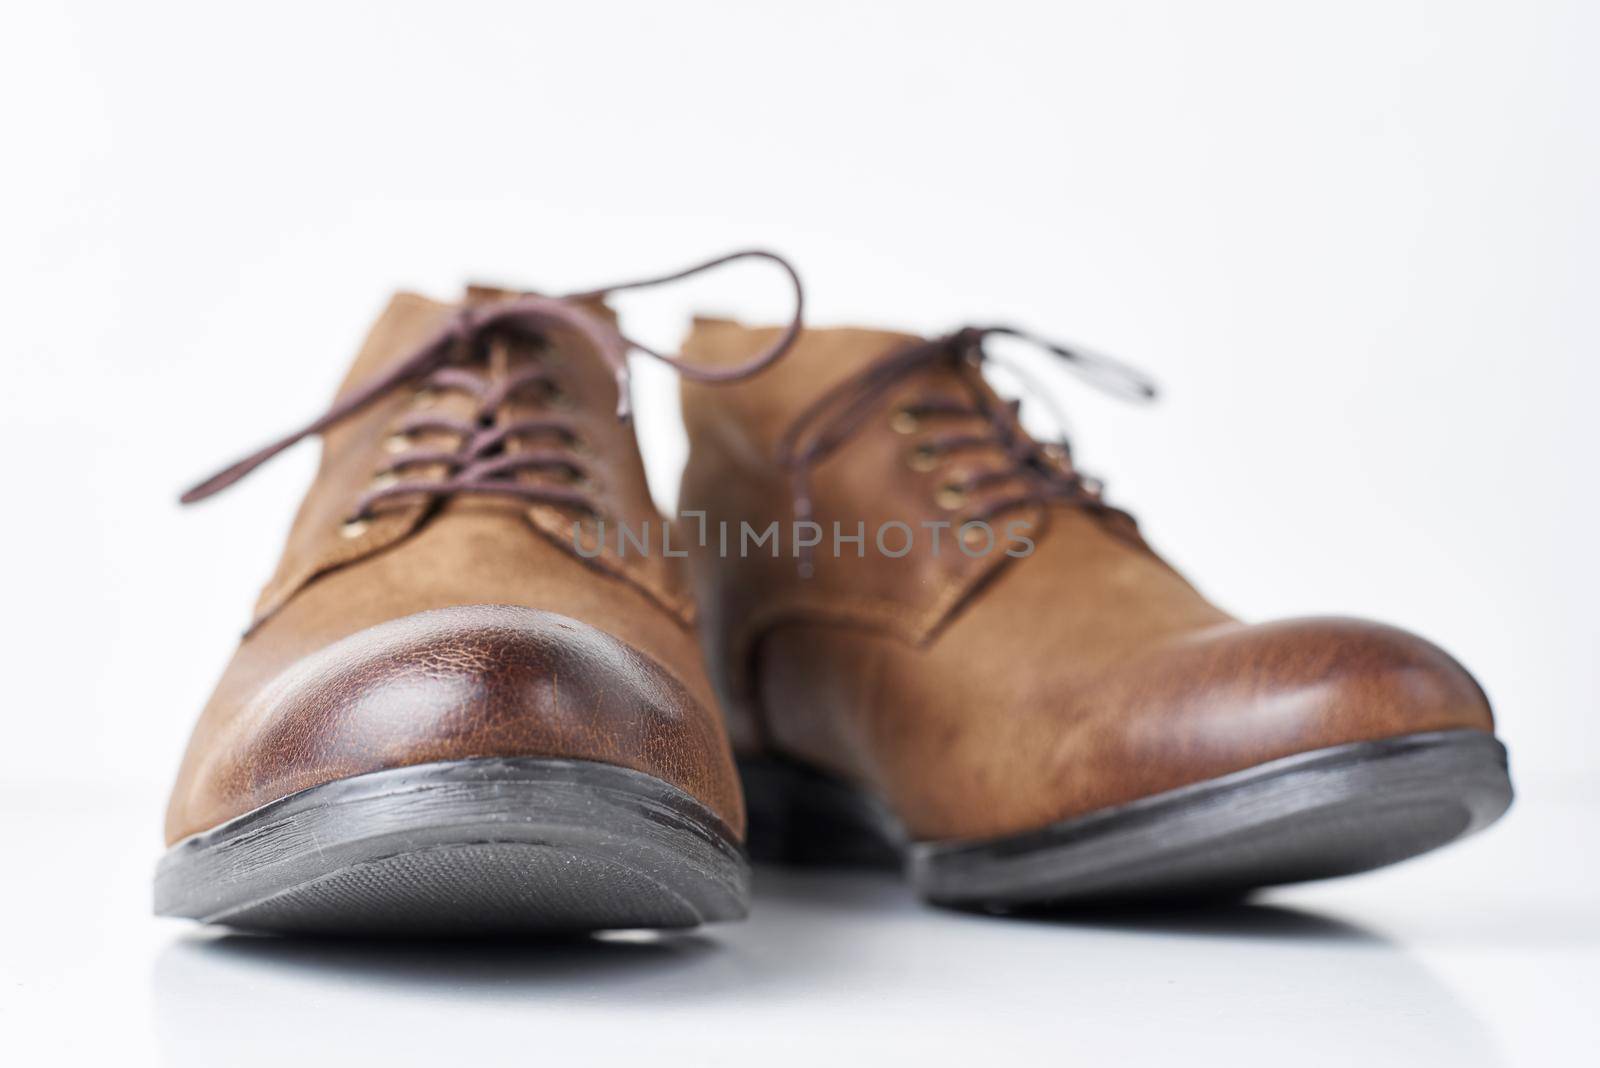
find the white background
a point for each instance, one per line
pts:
(1356, 242)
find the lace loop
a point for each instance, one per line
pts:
(1044, 470)
(693, 372)
(1103, 372)
(534, 314)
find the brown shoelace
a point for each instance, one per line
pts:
(1041, 472)
(480, 464)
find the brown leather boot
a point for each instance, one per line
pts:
(992, 672)
(447, 714)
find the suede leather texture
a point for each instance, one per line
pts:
(992, 696)
(467, 628)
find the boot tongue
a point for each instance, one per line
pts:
(598, 384)
(480, 293)
(819, 361)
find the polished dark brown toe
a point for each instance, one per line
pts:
(1233, 696)
(458, 683)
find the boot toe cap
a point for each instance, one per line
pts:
(460, 683)
(1235, 696)
(1305, 684)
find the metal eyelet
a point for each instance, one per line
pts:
(383, 480)
(396, 443)
(972, 536)
(354, 528)
(951, 496)
(905, 421)
(922, 458)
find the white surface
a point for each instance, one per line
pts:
(1485, 954)
(1357, 243)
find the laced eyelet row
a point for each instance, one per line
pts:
(400, 444)
(925, 458)
(529, 317)
(956, 493)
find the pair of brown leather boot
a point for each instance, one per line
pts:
(482, 690)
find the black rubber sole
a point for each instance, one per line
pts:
(1336, 811)
(465, 848)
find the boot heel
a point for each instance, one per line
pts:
(801, 817)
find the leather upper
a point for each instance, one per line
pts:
(464, 628)
(989, 695)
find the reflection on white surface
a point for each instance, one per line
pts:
(1484, 954)
(833, 965)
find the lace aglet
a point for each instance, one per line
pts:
(624, 401)
(219, 481)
